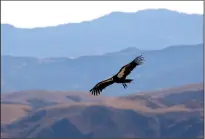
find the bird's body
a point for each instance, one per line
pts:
(120, 77)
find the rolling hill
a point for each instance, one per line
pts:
(155, 114)
(12, 112)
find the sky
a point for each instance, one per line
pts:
(30, 14)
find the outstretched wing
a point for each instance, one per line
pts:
(100, 86)
(126, 69)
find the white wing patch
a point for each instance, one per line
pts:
(122, 72)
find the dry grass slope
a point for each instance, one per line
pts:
(174, 112)
(12, 112)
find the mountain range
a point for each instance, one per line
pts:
(47, 72)
(168, 113)
(146, 29)
(169, 67)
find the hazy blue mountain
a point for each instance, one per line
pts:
(169, 67)
(147, 29)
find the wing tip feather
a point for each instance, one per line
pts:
(139, 59)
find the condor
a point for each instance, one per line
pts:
(120, 77)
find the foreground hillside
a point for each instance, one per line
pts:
(173, 113)
(176, 65)
(12, 112)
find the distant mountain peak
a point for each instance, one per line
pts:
(147, 29)
(144, 11)
(130, 50)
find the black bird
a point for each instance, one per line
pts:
(120, 77)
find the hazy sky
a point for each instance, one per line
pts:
(30, 14)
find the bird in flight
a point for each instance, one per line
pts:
(120, 77)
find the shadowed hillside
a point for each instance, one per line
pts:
(154, 114)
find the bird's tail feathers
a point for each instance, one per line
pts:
(128, 80)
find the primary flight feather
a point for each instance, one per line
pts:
(120, 77)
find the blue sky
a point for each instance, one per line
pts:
(29, 14)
